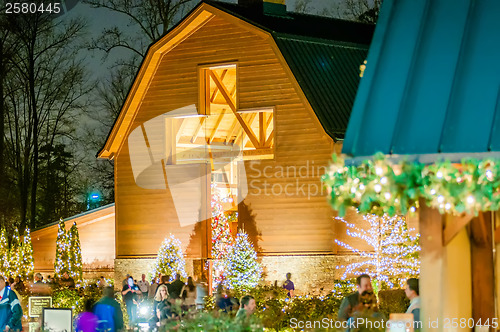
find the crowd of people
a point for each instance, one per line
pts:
(176, 299)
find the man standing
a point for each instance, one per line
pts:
(364, 283)
(288, 285)
(129, 294)
(144, 286)
(10, 309)
(247, 307)
(108, 311)
(176, 287)
(412, 293)
(67, 281)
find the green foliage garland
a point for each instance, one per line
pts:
(380, 187)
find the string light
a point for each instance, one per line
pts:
(443, 185)
(170, 259)
(394, 257)
(243, 272)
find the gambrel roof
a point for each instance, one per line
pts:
(323, 55)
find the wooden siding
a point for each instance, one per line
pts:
(97, 240)
(286, 223)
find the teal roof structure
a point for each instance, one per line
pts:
(431, 88)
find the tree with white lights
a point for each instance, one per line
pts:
(242, 271)
(170, 259)
(395, 254)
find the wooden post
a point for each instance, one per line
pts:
(431, 268)
(482, 268)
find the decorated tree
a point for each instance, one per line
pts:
(242, 271)
(4, 253)
(28, 266)
(170, 259)
(221, 237)
(15, 255)
(74, 254)
(395, 254)
(61, 262)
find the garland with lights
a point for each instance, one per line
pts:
(170, 259)
(395, 254)
(380, 187)
(242, 271)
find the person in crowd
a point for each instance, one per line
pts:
(39, 287)
(87, 320)
(247, 307)
(289, 286)
(224, 301)
(161, 303)
(176, 287)
(125, 281)
(363, 283)
(164, 281)
(189, 295)
(412, 292)
(67, 281)
(153, 287)
(38, 278)
(101, 283)
(130, 293)
(10, 309)
(201, 292)
(49, 280)
(18, 285)
(366, 309)
(108, 311)
(143, 286)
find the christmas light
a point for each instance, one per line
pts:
(170, 259)
(394, 257)
(243, 272)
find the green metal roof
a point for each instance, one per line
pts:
(324, 55)
(431, 89)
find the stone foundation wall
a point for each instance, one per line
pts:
(310, 273)
(137, 266)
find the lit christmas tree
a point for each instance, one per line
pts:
(28, 266)
(170, 259)
(221, 238)
(74, 254)
(4, 253)
(243, 272)
(62, 246)
(15, 255)
(395, 255)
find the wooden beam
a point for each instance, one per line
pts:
(214, 95)
(181, 129)
(214, 131)
(262, 130)
(232, 106)
(269, 139)
(454, 225)
(197, 130)
(239, 137)
(431, 265)
(497, 235)
(482, 267)
(231, 131)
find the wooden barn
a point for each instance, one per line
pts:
(251, 101)
(97, 239)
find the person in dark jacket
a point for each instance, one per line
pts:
(364, 283)
(176, 287)
(10, 309)
(108, 311)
